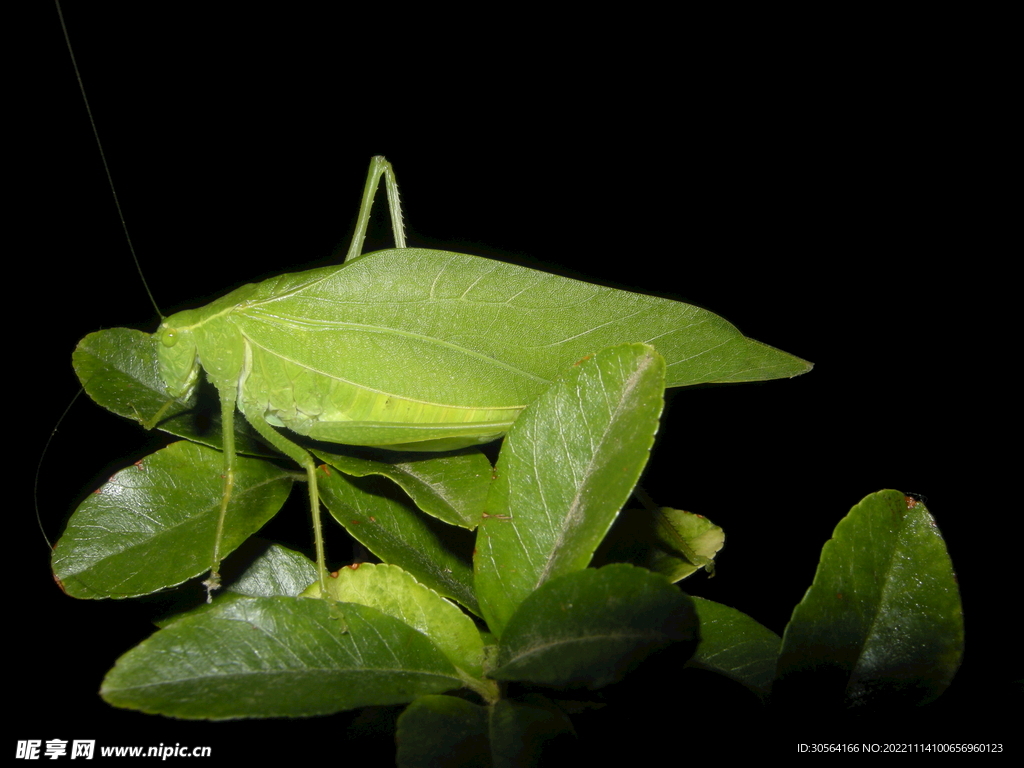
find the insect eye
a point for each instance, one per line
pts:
(169, 337)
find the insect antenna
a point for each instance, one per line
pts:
(39, 466)
(103, 158)
(131, 248)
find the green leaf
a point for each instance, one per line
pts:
(153, 524)
(118, 370)
(566, 468)
(277, 571)
(451, 487)
(277, 657)
(380, 517)
(274, 571)
(443, 730)
(882, 623)
(391, 590)
(591, 627)
(671, 542)
(734, 645)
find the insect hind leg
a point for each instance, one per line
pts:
(378, 167)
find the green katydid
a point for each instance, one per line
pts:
(416, 349)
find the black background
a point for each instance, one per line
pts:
(831, 195)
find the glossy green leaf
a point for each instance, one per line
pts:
(257, 568)
(671, 542)
(452, 486)
(153, 524)
(591, 627)
(566, 468)
(277, 571)
(395, 592)
(118, 370)
(381, 518)
(278, 657)
(734, 645)
(882, 623)
(688, 542)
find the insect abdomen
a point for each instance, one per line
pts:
(329, 407)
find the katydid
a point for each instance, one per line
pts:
(425, 350)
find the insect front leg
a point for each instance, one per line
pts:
(227, 411)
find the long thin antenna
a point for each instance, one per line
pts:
(39, 468)
(103, 157)
(131, 247)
